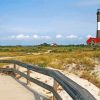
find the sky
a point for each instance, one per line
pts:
(32, 22)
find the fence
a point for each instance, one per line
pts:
(72, 88)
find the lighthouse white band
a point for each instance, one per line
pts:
(98, 25)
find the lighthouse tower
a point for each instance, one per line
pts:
(98, 24)
(96, 40)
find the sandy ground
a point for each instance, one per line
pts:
(10, 89)
(85, 84)
(48, 80)
(3, 58)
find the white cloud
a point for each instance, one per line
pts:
(89, 35)
(41, 36)
(22, 36)
(25, 37)
(72, 36)
(35, 36)
(16, 37)
(59, 36)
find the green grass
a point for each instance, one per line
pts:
(91, 77)
(57, 60)
(59, 57)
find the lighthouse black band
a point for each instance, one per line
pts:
(98, 17)
(98, 34)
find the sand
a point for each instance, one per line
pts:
(10, 89)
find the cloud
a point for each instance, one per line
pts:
(72, 36)
(18, 37)
(41, 36)
(22, 36)
(89, 35)
(25, 37)
(35, 36)
(59, 36)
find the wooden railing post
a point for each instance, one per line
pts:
(15, 69)
(7, 68)
(55, 86)
(14, 66)
(28, 73)
(61, 80)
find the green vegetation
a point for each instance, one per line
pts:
(92, 78)
(80, 60)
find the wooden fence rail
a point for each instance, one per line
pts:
(72, 88)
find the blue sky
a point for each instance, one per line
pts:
(31, 22)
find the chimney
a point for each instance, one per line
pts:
(98, 23)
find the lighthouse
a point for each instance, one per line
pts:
(98, 24)
(95, 40)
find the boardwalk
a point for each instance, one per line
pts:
(10, 89)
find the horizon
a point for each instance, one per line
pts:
(33, 22)
(43, 45)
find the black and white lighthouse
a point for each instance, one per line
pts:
(98, 23)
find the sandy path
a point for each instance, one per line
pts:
(2, 58)
(10, 89)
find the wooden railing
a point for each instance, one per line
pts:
(72, 88)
